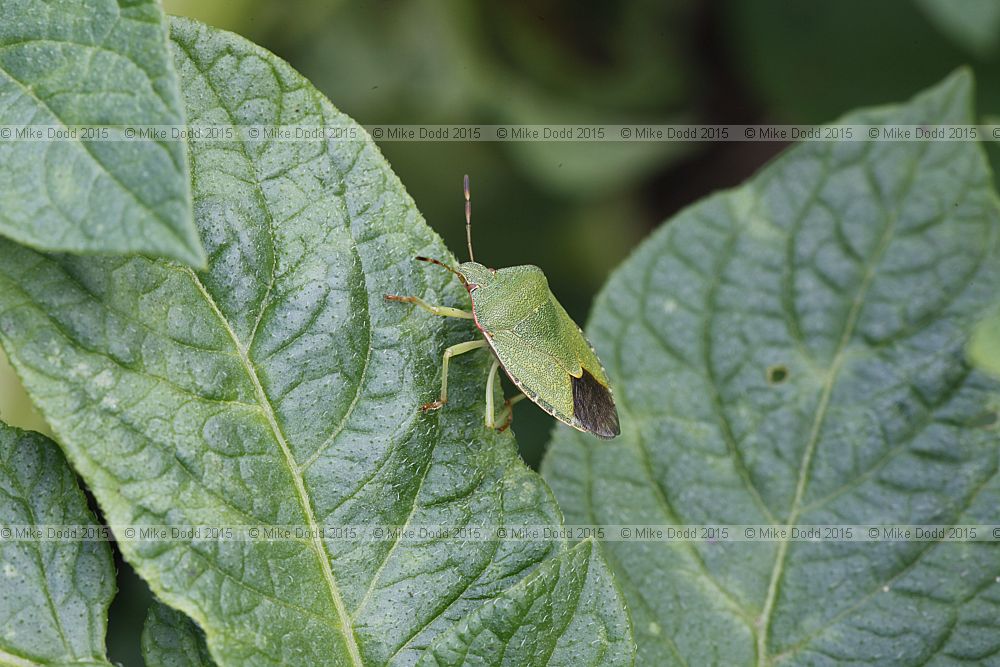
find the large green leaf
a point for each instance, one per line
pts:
(92, 63)
(791, 352)
(54, 594)
(171, 639)
(279, 387)
(974, 24)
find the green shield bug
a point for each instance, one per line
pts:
(531, 336)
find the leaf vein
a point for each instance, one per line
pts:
(301, 493)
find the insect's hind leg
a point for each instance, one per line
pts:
(441, 311)
(507, 414)
(452, 351)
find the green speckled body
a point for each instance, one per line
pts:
(540, 347)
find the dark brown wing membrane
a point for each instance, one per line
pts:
(594, 407)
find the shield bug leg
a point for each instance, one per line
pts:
(442, 311)
(452, 351)
(508, 411)
(507, 414)
(489, 393)
(438, 262)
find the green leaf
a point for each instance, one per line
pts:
(92, 63)
(524, 627)
(54, 594)
(791, 352)
(975, 24)
(171, 639)
(280, 387)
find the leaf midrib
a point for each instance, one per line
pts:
(302, 495)
(850, 324)
(265, 302)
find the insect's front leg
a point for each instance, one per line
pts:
(442, 311)
(452, 351)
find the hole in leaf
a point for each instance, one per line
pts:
(777, 374)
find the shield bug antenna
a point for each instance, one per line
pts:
(468, 233)
(468, 216)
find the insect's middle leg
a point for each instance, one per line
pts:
(452, 351)
(489, 392)
(506, 413)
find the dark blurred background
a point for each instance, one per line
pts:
(577, 209)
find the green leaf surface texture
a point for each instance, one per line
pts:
(96, 63)
(171, 639)
(54, 593)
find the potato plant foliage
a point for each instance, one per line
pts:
(202, 324)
